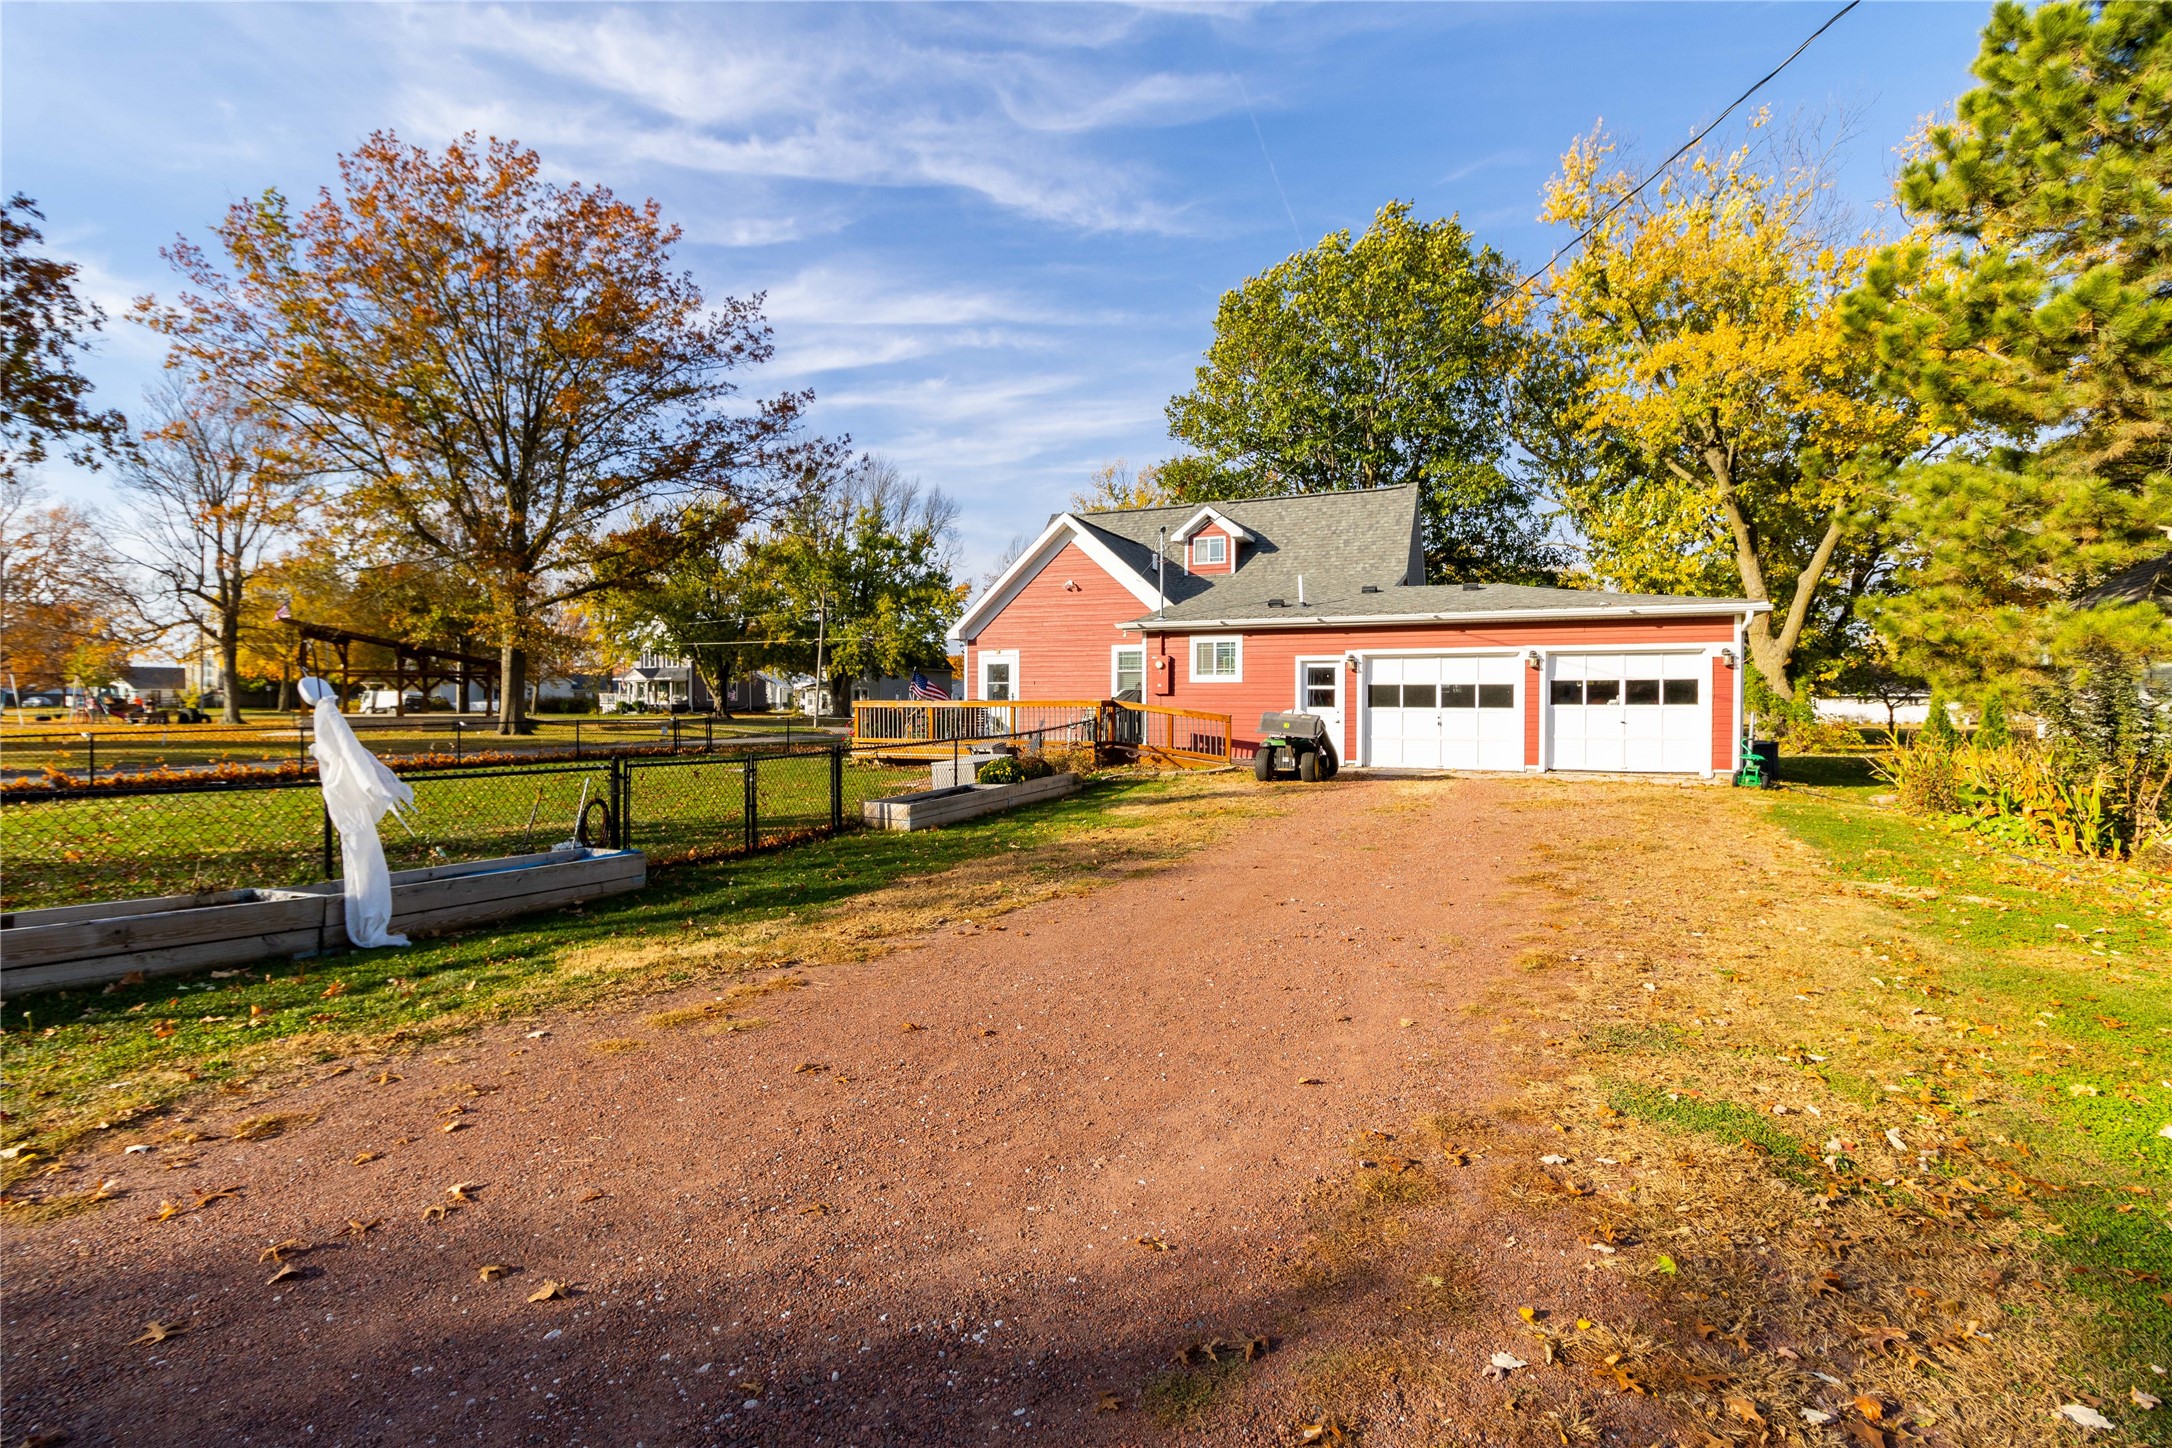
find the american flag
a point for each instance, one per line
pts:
(922, 689)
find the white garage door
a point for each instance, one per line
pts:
(1631, 712)
(1444, 712)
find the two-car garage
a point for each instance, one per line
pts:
(1629, 712)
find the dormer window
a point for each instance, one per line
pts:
(1210, 551)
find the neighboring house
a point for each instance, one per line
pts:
(1317, 602)
(657, 681)
(893, 687)
(576, 690)
(158, 685)
(2149, 581)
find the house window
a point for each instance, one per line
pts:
(999, 675)
(1217, 660)
(1127, 671)
(1211, 549)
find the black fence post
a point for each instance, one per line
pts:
(674, 734)
(708, 734)
(327, 841)
(92, 741)
(837, 788)
(751, 805)
(301, 742)
(622, 815)
(576, 739)
(459, 728)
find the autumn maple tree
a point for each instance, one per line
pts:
(1748, 446)
(503, 375)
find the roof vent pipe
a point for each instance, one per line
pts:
(1300, 590)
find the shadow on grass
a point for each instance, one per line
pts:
(1830, 771)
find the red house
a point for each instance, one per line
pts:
(1317, 601)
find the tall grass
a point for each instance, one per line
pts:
(2036, 792)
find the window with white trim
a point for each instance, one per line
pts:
(1127, 670)
(1218, 660)
(1209, 548)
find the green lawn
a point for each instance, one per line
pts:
(2054, 979)
(79, 1058)
(67, 850)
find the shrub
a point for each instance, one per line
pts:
(1035, 767)
(1923, 775)
(1938, 731)
(1991, 727)
(1004, 770)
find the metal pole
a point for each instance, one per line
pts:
(328, 867)
(459, 728)
(92, 741)
(576, 739)
(750, 806)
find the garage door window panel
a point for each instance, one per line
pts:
(1496, 696)
(1681, 691)
(1641, 691)
(1602, 691)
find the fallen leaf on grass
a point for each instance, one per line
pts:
(1665, 1264)
(456, 1124)
(358, 1228)
(436, 1211)
(491, 1271)
(384, 1078)
(364, 1156)
(1152, 1244)
(205, 1199)
(2142, 1400)
(550, 1291)
(156, 1331)
(806, 1066)
(1398, 1165)
(2085, 1415)
(1825, 1284)
(287, 1270)
(336, 988)
(463, 1191)
(1816, 1417)
(1746, 1411)
(1327, 1430)
(1111, 1402)
(280, 1251)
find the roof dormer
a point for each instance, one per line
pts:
(1211, 541)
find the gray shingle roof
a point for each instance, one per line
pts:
(1339, 543)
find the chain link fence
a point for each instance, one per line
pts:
(108, 751)
(171, 837)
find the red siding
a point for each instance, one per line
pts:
(1723, 718)
(1229, 552)
(1270, 659)
(1062, 636)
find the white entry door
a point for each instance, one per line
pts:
(1445, 711)
(1319, 691)
(1631, 713)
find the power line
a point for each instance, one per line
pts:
(1680, 151)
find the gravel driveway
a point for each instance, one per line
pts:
(953, 1195)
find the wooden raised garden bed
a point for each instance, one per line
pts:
(929, 808)
(75, 945)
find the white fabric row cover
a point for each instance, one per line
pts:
(1635, 713)
(1445, 712)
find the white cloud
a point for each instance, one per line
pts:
(852, 98)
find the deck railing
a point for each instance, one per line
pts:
(1184, 735)
(919, 729)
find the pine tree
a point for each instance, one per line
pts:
(1991, 727)
(2032, 309)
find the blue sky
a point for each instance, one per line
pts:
(992, 237)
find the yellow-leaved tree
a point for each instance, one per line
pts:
(1721, 435)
